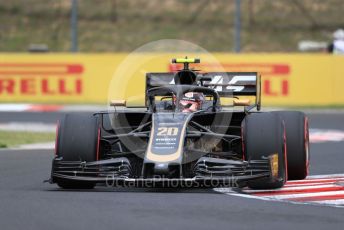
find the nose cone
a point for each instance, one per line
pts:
(161, 168)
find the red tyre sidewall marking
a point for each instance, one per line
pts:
(98, 144)
(57, 136)
(242, 141)
(285, 152)
(306, 137)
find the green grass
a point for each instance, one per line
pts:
(121, 25)
(14, 139)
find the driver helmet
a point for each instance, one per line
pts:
(191, 102)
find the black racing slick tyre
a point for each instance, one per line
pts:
(264, 135)
(297, 132)
(77, 140)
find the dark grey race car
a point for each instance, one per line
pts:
(185, 137)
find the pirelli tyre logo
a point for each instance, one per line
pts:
(40, 79)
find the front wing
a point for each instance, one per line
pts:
(117, 172)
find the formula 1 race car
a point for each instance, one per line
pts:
(184, 136)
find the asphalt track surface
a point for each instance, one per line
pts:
(28, 203)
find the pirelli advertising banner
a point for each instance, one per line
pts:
(287, 79)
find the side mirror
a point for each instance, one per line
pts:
(241, 102)
(235, 102)
(117, 103)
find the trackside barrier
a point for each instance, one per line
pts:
(287, 79)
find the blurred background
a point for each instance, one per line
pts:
(121, 26)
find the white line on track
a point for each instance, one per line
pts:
(28, 126)
(335, 202)
(46, 146)
(14, 107)
(339, 175)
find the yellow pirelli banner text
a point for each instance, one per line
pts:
(287, 79)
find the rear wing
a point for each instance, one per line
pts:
(227, 84)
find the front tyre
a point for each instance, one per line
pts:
(264, 135)
(77, 140)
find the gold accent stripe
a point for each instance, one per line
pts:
(170, 157)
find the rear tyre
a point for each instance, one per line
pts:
(77, 140)
(264, 135)
(297, 133)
